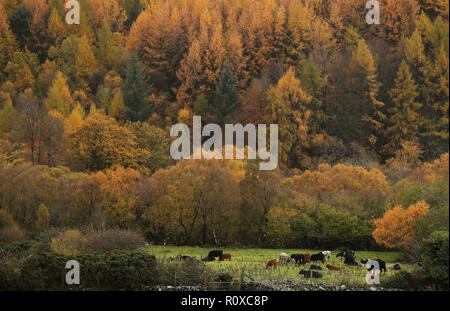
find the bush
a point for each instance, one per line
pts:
(185, 273)
(12, 234)
(114, 239)
(406, 280)
(117, 270)
(435, 256)
(70, 242)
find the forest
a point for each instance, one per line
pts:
(86, 111)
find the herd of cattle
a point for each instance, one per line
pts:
(302, 259)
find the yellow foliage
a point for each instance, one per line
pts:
(397, 227)
(69, 242)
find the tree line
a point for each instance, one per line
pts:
(85, 113)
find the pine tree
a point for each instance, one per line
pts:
(8, 44)
(6, 113)
(117, 109)
(85, 64)
(106, 50)
(404, 119)
(372, 108)
(59, 97)
(134, 88)
(226, 98)
(74, 120)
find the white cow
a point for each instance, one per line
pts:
(327, 254)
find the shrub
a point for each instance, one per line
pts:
(435, 256)
(70, 242)
(117, 270)
(12, 234)
(114, 239)
(185, 273)
(414, 280)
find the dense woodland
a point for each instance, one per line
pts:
(85, 114)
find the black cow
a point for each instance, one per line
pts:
(309, 274)
(299, 259)
(381, 263)
(215, 253)
(207, 259)
(349, 257)
(318, 257)
(314, 267)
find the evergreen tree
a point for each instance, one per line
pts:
(404, 120)
(226, 96)
(134, 88)
(59, 97)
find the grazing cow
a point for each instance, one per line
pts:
(381, 263)
(349, 257)
(271, 263)
(345, 253)
(180, 258)
(327, 254)
(318, 257)
(225, 256)
(207, 259)
(394, 266)
(333, 268)
(299, 259)
(215, 253)
(309, 274)
(314, 267)
(307, 257)
(284, 258)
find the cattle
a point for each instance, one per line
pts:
(307, 257)
(327, 254)
(207, 259)
(215, 253)
(271, 263)
(381, 264)
(395, 266)
(309, 274)
(349, 257)
(181, 258)
(345, 253)
(314, 267)
(333, 268)
(225, 256)
(299, 259)
(284, 258)
(318, 257)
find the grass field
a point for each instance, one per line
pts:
(251, 262)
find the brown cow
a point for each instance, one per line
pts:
(225, 256)
(335, 268)
(271, 263)
(307, 257)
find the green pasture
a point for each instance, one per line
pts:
(251, 263)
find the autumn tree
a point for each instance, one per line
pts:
(288, 107)
(158, 36)
(397, 227)
(42, 218)
(201, 66)
(8, 44)
(100, 143)
(59, 97)
(404, 120)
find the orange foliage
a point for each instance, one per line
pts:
(397, 227)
